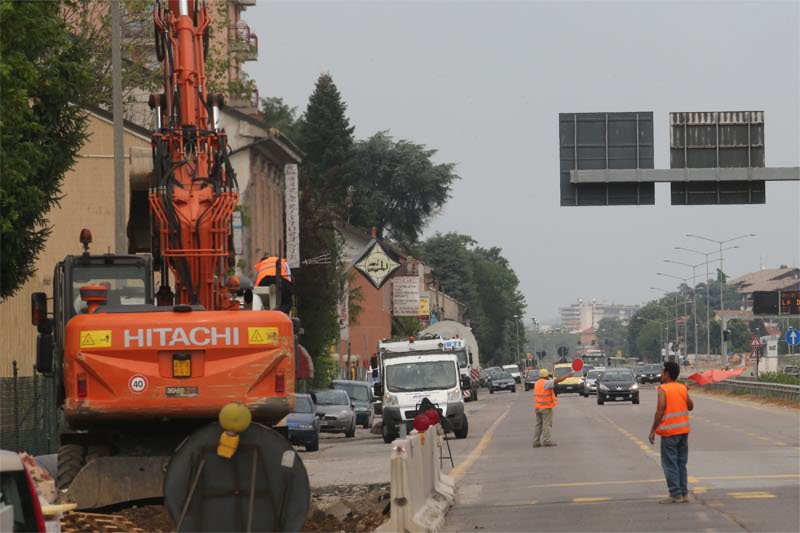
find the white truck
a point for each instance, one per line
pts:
(414, 369)
(460, 339)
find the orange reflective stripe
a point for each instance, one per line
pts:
(543, 399)
(676, 414)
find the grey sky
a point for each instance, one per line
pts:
(484, 83)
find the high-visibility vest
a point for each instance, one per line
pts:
(676, 416)
(543, 399)
(266, 268)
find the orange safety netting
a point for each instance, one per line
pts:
(713, 376)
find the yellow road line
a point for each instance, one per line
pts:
(590, 500)
(751, 495)
(464, 465)
(700, 490)
(691, 479)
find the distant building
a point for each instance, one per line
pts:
(587, 314)
(768, 279)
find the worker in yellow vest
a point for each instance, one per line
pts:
(672, 423)
(544, 400)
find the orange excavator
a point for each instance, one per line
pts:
(137, 370)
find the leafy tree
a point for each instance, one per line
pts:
(613, 335)
(395, 187)
(484, 281)
(326, 137)
(278, 114)
(646, 315)
(45, 80)
(740, 336)
(648, 342)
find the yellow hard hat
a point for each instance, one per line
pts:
(543, 373)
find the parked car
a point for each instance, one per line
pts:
(792, 370)
(571, 384)
(335, 412)
(530, 378)
(304, 424)
(514, 371)
(617, 384)
(502, 381)
(360, 393)
(651, 374)
(20, 509)
(590, 383)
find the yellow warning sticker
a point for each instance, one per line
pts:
(262, 335)
(97, 338)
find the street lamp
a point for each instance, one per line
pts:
(708, 290)
(516, 323)
(685, 322)
(694, 294)
(723, 351)
(676, 313)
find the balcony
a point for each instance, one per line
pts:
(242, 42)
(246, 101)
(246, 2)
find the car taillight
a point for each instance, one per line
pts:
(280, 383)
(82, 386)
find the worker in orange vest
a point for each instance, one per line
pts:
(672, 423)
(265, 276)
(544, 400)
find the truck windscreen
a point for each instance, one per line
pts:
(463, 362)
(420, 376)
(125, 283)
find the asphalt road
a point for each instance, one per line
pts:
(744, 468)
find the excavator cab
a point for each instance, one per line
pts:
(127, 278)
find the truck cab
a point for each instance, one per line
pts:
(411, 371)
(469, 386)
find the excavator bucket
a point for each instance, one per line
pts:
(111, 480)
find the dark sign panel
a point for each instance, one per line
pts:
(724, 139)
(765, 302)
(790, 302)
(598, 141)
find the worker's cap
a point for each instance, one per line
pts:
(543, 373)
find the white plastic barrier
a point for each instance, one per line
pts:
(420, 494)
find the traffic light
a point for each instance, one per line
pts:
(726, 334)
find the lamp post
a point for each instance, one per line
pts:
(516, 323)
(535, 330)
(708, 289)
(685, 321)
(676, 313)
(722, 347)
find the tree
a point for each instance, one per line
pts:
(648, 342)
(613, 335)
(646, 315)
(326, 137)
(45, 80)
(483, 280)
(278, 114)
(395, 187)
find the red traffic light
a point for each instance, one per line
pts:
(421, 423)
(577, 364)
(433, 416)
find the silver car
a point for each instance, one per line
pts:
(590, 382)
(335, 412)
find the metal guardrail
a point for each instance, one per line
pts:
(781, 391)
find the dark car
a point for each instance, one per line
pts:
(362, 398)
(530, 378)
(335, 412)
(502, 381)
(617, 384)
(303, 424)
(486, 375)
(650, 374)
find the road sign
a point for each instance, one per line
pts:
(563, 351)
(793, 337)
(754, 355)
(756, 342)
(790, 302)
(577, 364)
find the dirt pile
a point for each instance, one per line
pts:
(350, 508)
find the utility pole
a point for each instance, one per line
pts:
(516, 323)
(120, 237)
